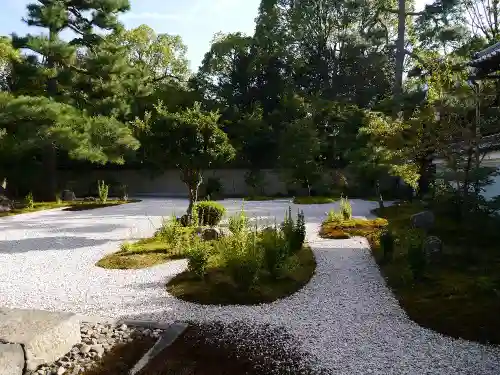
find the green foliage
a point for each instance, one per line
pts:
(242, 258)
(313, 200)
(239, 223)
(345, 209)
(209, 212)
(197, 254)
(58, 198)
(334, 216)
(416, 257)
(294, 231)
(275, 250)
(170, 231)
(387, 243)
(213, 188)
(30, 202)
(102, 190)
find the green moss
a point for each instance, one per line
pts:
(218, 288)
(459, 295)
(314, 200)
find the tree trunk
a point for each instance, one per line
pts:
(379, 195)
(49, 162)
(400, 57)
(193, 180)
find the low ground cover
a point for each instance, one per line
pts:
(68, 206)
(457, 292)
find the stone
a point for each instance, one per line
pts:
(61, 370)
(183, 220)
(68, 196)
(11, 359)
(85, 349)
(99, 349)
(44, 335)
(123, 327)
(6, 204)
(423, 220)
(432, 246)
(210, 234)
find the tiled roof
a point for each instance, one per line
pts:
(486, 54)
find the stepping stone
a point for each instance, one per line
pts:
(11, 359)
(44, 336)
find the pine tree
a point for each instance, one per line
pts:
(58, 58)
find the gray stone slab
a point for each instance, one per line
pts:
(11, 359)
(165, 340)
(44, 335)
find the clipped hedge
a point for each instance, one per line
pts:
(209, 212)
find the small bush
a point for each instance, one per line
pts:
(171, 231)
(387, 242)
(345, 209)
(209, 213)
(274, 248)
(125, 247)
(103, 191)
(334, 217)
(416, 257)
(197, 254)
(58, 198)
(294, 231)
(30, 202)
(238, 223)
(242, 258)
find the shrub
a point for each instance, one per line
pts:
(416, 256)
(30, 202)
(242, 258)
(171, 231)
(209, 213)
(197, 254)
(387, 242)
(126, 246)
(238, 223)
(213, 187)
(102, 190)
(58, 198)
(294, 232)
(345, 209)
(274, 248)
(334, 217)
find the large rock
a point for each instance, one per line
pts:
(5, 204)
(68, 196)
(210, 234)
(45, 336)
(11, 359)
(423, 220)
(432, 246)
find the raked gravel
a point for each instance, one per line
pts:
(346, 316)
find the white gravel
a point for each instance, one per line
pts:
(346, 317)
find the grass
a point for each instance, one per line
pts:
(68, 206)
(83, 206)
(217, 287)
(38, 206)
(261, 198)
(459, 295)
(314, 200)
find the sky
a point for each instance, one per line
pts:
(196, 21)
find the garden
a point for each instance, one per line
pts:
(242, 263)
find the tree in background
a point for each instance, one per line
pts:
(191, 141)
(300, 153)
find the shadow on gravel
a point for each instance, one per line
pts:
(48, 243)
(91, 228)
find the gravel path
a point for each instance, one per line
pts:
(346, 316)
